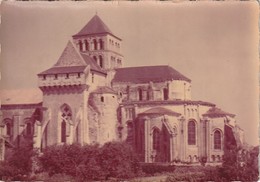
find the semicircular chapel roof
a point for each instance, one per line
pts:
(215, 112)
(159, 111)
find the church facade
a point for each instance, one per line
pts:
(87, 97)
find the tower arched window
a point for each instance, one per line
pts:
(101, 44)
(95, 44)
(156, 139)
(95, 58)
(86, 45)
(66, 117)
(140, 94)
(80, 45)
(217, 139)
(101, 61)
(191, 133)
(165, 94)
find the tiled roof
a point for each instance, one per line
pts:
(71, 61)
(159, 111)
(93, 65)
(101, 90)
(60, 70)
(70, 57)
(168, 102)
(147, 74)
(21, 96)
(94, 26)
(215, 112)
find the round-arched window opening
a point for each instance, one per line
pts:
(102, 99)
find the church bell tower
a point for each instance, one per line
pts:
(96, 40)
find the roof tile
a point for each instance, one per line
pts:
(146, 74)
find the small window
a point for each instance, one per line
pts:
(102, 98)
(44, 77)
(100, 61)
(101, 44)
(92, 78)
(191, 133)
(80, 46)
(55, 77)
(86, 45)
(95, 58)
(140, 94)
(8, 129)
(165, 94)
(63, 131)
(95, 44)
(217, 140)
(29, 129)
(156, 139)
(67, 75)
(78, 75)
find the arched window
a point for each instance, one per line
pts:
(80, 46)
(8, 126)
(148, 95)
(8, 129)
(101, 44)
(100, 61)
(191, 133)
(29, 130)
(63, 131)
(129, 138)
(86, 45)
(213, 158)
(156, 139)
(95, 44)
(165, 94)
(217, 139)
(102, 99)
(95, 58)
(140, 94)
(66, 116)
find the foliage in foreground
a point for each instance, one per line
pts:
(91, 162)
(18, 164)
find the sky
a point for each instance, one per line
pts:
(215, 44)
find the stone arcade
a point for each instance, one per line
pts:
(89, 97)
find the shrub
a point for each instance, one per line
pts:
(153, 168)
(118, 160)
(91, 162)
(191, 177)
(18, 165)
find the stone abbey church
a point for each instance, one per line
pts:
(88, 96)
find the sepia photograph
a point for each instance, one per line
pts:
(129, 91)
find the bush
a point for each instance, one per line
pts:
(18, 165)
(191, 177)
(153, 168)
(91, 162)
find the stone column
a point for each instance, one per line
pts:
(16, 128)
(147, 140)
(2, 149)
(37, 137)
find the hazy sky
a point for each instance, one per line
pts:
(215, 44)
